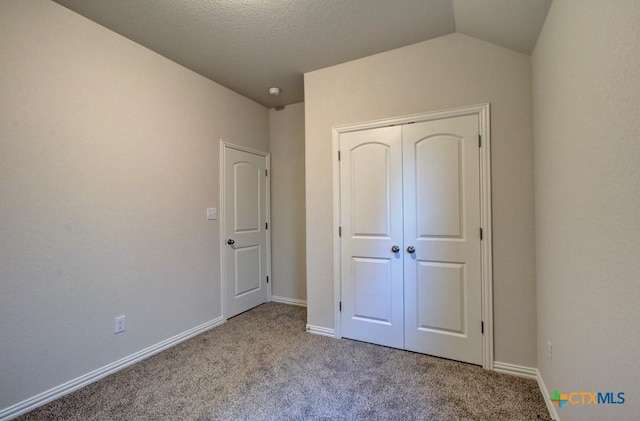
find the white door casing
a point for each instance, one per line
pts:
(452, 324)
(371, 198)
(244, 234)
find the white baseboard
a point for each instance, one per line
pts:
(322, 331)
(530, 373)
(516, 370)
(79, 382)
(545, 393)
(286, 300)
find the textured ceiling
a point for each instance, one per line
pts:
(251, 45)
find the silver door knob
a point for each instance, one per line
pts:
(230, 242)
(411, 249)
(395, 249)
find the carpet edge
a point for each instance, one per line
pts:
(529, 373)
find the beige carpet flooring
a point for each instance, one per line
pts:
(262, 365)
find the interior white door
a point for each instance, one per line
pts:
(244, 230)
(371, 218)
(415, 186)
(442, 277)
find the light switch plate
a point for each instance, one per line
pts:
(212, 213)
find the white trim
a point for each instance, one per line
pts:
(545, 394)
(486, 245)
(415, 118)
(483, 113)
(221, 233)
(322, 331)
(529, 373)
(287, 300)
(337, 277)
(224, 144)
(516, 370)
(95, 375)
(268, 218)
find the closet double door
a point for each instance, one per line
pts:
(410, 242)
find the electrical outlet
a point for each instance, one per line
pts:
(120, 324)
(549, 352)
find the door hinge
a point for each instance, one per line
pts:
(482, 327)
(340, 305)
(266, 225)
(267, 278)
(479, 140)
(266, 173)
(339, 231)
(480, 233)
(338, 155)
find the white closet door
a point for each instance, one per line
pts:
(371, 218)
(442, 278)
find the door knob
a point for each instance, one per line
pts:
(395, 249)
(411, 250)
(230, 242)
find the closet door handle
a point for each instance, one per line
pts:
(395, 249)
(411, 249)
(230, 241)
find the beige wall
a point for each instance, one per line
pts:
(586, 91)
(108, 160)
(446, 72)
(288, 267)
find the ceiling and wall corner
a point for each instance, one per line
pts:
(249, 46)
(514, 24)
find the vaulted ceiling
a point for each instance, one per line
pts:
(251, 45)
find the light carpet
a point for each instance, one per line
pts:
(262, 365)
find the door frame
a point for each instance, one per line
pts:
(486, 273)
(223, 270)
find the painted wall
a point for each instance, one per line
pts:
(446, 72)
(288, 264)
(109, 156)
(587, 186)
